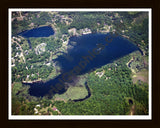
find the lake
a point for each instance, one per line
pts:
(44, 31)
(80, 60)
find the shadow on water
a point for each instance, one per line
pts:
(81, 56)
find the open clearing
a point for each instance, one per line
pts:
(76, 90)
(142, 75)
(74, 93)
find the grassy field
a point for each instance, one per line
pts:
(78, 91)
(73, 93)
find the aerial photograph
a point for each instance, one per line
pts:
(69, 63)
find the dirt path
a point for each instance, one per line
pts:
(129, 62)
(57, 110)
(132, 110)
(60, 99)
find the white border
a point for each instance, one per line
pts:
(109, 117)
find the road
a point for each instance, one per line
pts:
(20, 49)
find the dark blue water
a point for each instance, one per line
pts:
(45, 31)
(81, 59)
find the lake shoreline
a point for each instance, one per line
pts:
(84, 44)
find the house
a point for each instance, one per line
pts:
(35, 110)
(55, 109)
(38, 105)
(48, 64)
(72, 31)
(87, 31)
(100, 74)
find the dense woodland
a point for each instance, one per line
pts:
(110, 97)
(113, 94)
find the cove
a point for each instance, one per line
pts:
(44, 31)
(118, 48)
